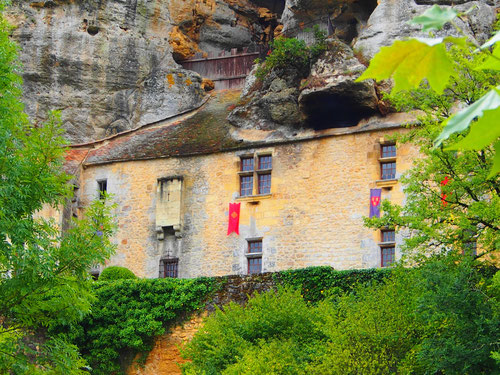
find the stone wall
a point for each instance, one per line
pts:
(313, 216)
(165, 357)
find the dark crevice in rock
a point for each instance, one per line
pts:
(349, 18)
(275, 6)
(92, 30)
(324, 110)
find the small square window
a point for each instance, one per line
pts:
(389, 151)
(255, 247)
(246, 185)
(265, 162)
(102, 188)
(247, 164)
(265, 183)
(388, 170)
(254, 265)
(169, 267)
(388, 236)
(388, 255)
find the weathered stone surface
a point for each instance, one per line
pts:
(330, 97)
(347, 17)
(107, 66)
(269, 104)
(389, 21)
(220, 25)
(327, 98)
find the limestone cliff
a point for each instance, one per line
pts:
(111, 65)
(106, 65)
(330, 96)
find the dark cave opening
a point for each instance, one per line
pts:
(275, 6)
(325, 110)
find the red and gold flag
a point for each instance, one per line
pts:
(234, 218)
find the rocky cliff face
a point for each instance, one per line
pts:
(106, 65)
(329, 96)
(110, 65)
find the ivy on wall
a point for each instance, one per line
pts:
(128, 314)
(318, 282)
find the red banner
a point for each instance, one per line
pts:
(234, 218)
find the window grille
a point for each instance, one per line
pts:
(169, 267)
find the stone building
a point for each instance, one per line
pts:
(303, 195)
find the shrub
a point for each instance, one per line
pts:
(269, 320)
(116, 273)
(292, 53)
(435, 319)
(439, 318)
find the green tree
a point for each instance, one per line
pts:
(453, 202)
(43, 273)
(439, 318)
(245, 340)
(409, 62)
(453, 198)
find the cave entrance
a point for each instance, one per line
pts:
(326, 110)
(274, 6)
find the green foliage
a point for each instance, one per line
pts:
(409, 62)
(291, 53)
(434, 18)
(128, 314)
(43, 273)
(437, 318)
(316, 283)
(442, 317)
(116, 273)
(470, 212)
(269, 321)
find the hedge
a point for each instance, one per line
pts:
(316, 282)
(116, 273)
(128, 314)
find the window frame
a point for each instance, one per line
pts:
(388, 159)
(384, 256)
(163, 268)
(384, 245)
(392, 176)
(249, 265)
(256, 173)
(242, 177)
(102, 191)
(388, 144)
(250, 256)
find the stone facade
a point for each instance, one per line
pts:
(313, 216)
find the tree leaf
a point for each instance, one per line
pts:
(496, 161)
(434, 18)
(491, 41)
(483, 133)
(409, 62)
(461, 120)
(492, 62)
